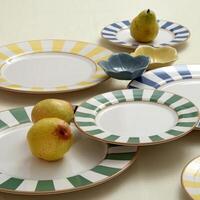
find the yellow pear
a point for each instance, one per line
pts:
(144, 27)
(53, 108)
(49, 139)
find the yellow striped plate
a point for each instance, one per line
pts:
(191, 178)
(51, 66)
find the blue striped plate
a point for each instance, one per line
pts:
(170, 34)
(183, 80)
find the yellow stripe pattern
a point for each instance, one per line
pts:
(58, 45)
(95, 51)
(78, 47)
(36, 45)
(15, 49)
(3, 56)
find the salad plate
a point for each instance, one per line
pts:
(87, 164)
(136, 117)
(183, 80)
(51, 66)
(170, 34)
(190, 178)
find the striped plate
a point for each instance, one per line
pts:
(136, 117)
(51, 66)
(22, 173)
(183, 80)
(170, 34)
(191, 178)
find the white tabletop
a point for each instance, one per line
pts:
(156, 173)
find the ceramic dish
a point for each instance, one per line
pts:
(183, 80)
(88, 162)
(122, 66)
(191, 178)
(158, 56)
(51, 66)
(136, 117)
(170, 34)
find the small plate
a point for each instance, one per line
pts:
(191, 178)
(183, 80)
(122, 66)
(87, 164)
(158, 56)
(136, 117)
(51, 66)
(170, 34)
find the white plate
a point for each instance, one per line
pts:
(51, 66)
(170, 34)
(136, 117)
(183, 80)
(88, 162)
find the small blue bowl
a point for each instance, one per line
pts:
(122, 66)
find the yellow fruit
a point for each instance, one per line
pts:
(144, 27)
(53, 108)
(50, 139)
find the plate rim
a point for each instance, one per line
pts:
(134, 47)
(134, 155)
(139, 144)
(29, 90)
(182, 175)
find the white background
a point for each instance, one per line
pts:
(156, 173)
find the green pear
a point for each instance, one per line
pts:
(53, 108)
(49, 139)
(144, 27)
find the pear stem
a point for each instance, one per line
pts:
(148, 10)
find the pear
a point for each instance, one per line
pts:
(144, 27)
(49, 139)
(53, 108)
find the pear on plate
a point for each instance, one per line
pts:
(50, 138)
(144, 27)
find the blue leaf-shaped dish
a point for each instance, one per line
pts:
(122, 66)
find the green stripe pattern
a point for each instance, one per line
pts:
(186, 111)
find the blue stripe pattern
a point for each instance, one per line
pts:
(184, 72)
(111, 30)
(110, 33)
(163, 75)
(116, 25)
(144, 80)
(176, 28)
(167, 24)
(166, 76)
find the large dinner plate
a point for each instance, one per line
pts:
(136, 117)
(180, 79)
(51, 66)
(170, 34)
(87, 164)
(191, 178)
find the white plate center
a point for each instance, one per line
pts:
(48, 70)
(164, 36)
(136, 119)
(17, 160)
(188, 88)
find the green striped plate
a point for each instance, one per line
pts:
(27, 178)
(94, 119)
